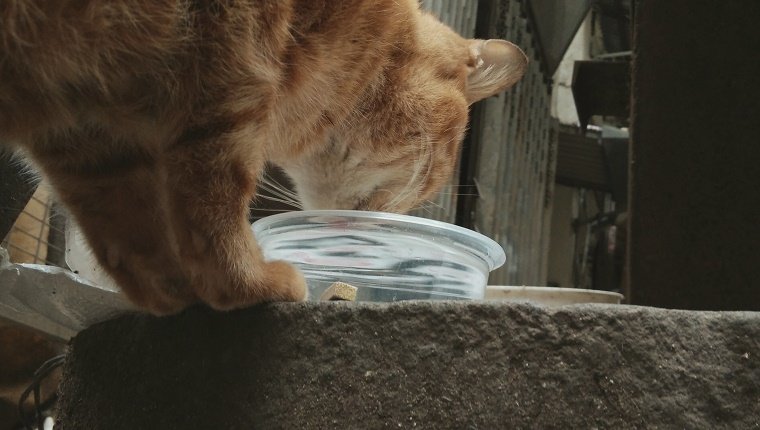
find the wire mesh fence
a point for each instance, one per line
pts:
(38, 234)
(517, 161)
(516, 157)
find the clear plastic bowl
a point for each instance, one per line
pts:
(389, 257)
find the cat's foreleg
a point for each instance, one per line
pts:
(212, 178)
(119, 204)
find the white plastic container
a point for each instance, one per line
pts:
(389, 257)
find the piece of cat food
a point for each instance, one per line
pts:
(339, 291)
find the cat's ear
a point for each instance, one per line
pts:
(497, 66)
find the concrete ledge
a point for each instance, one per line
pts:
(416, 364)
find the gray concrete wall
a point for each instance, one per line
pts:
(416, 365)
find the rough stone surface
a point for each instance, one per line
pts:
(416, 365)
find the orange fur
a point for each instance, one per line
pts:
(153, 119)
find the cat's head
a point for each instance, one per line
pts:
(402, 144)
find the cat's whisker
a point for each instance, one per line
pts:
(288, 202)
(280, 192)
(277, 192)
(275, 199)
(264, 190)
(269, 180)
(424, 208)
(427, 204)
(424, 159)
(445, 190)
(432, 203)
(457, 194)
(428, 153)
(270, 210)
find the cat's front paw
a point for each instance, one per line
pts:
(274, 281)
(287, 282)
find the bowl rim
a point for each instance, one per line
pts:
(490, 251)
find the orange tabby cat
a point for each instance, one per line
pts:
(152, 119)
